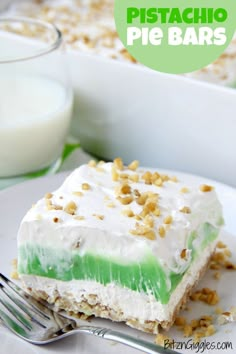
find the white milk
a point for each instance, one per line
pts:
(35, 113)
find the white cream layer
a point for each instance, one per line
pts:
(132, 304)
(111, 236)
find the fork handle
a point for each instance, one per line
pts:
(137, 343)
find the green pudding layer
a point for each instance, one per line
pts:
(148, 276)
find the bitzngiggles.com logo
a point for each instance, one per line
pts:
(175, 36)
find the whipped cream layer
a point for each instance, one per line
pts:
(123, 220)
(105, 229)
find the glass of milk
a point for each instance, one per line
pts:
(35, 96)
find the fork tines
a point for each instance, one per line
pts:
(20, 312)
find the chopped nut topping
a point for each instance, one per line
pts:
(14, 272)
(188, 331)
(51, 206)
(161, 339)
(183, 253)
(158, 182)
(78, 194)
(214, 266)
(110, 205)
(197, 336)
(222, 320)
(138, 217)
(141, 200)
(204, 322)
(162, 231)
(201, 327)
(137, 193)
(148, 220)
(85, 186)
(128, 212)
(206, 188)
(133, 165)
(209, 331)
(146, 198)
(185, 210)
(114, 174)
(99, 216)
(70, 208)
(165, 178)
(92, 163)
(57, 207)
(79, 217)
(184, 190)
(124, 176)
(77, 245)
(150, 206)
(153, 196)
(220, 244)
(174, 179)
(125, 200)
(143, 230)
(205, 318)
(195, 323)
(168, 220)
(118, 163)
(124, 189)
(230, 266)
(48, 196)
(206, 295)
(220, 259)
(157, 212)
(134, 178)
(147, 177)
(150, 235)
(180, 321)
(155, 176)
(227, 316)
(56, 219)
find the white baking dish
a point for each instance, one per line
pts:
(4, 4)
(163, 120)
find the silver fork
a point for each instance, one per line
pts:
(37, 323)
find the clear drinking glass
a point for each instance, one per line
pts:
(35, 96)
(4, 4)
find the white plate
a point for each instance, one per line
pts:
(15, 201)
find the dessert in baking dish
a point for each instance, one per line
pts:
(89, 26)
